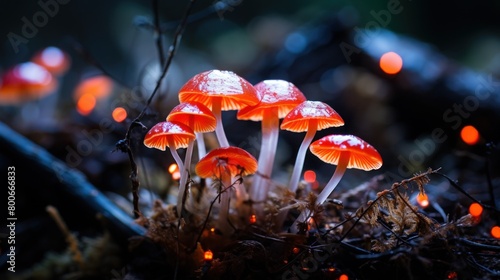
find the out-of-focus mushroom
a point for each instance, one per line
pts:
(277, 99)
(345, 151)
(225, 164)
(219, 91)
(25, 82)
(201, 120)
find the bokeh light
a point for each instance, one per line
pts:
(475, 209)
(208, 255)
(86, 104)
(391, 63)
(53, 59)
(452, 275)
(310, 176)
(253, 219)
(119, 114)
(344, 277)
(423, 200)
(495, 232)
(98, 86)
(174, 170)
(469, 135)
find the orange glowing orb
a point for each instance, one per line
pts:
(423, 200)
(495, 232)
(452, 275)
(475, 209)
(212, 230)
(310, 176)
(344, 277)
(208, 255)
(253, 219)
(172, 168)
(391, 63)
(98, 86)
(86, 104)
(469, 135)
(295, 250)
(119, 114)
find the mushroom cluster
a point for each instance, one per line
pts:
(202, 100)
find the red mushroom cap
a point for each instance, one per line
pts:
(299, 118)
(24, 82)
(195, 115)
(362, 155)
(234, 91)
(162, 133)
(233, 159)
(280, 95)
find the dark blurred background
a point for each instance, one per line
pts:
(450, 51)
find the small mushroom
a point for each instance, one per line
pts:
(277, 99)
(309, 117)
(225, 164)
(173, 135)
(201, 120)
(219, 91)
(345, 151)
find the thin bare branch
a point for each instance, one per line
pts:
(157, 32)
(124, 145)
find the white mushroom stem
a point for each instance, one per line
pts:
(330, 186)
(241, 193)
(299, 164)
(178, 160)
(222, 222)
(334, 181)
(219, 129)
(270, 133)
(200, 141)
(174, 153)
(301, 155)
(184, 176)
